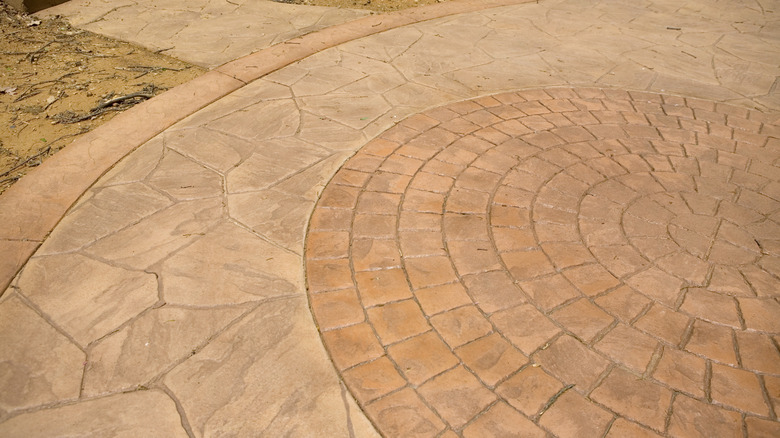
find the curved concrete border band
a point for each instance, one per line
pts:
(32, 207)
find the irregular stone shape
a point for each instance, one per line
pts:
(155, 237)
(676, 62)
(452, 54)
(309, 182)
(384, 46)
(269, 367)
(329, 134)
(221, 142)
(229, 265)
(37, 363)
(381, 77)
(15, 255)
(749, 47)
(355, 112)
(182, 178)
(264, 120)
(136, 166)
(497, 74)
(143, 413)
(278, 216)
(272, 162)
(589, 67)
(78, 14)
(87, 298)
(323, 79)
(109, 210)
(148, 346)
(214, 149)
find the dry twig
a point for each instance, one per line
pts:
(120, 103)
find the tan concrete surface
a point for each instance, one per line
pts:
(201, 233)
(207, 33)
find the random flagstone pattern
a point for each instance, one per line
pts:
(176, 282)
(207, 33)
(562, 260)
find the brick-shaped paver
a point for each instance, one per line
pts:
(576, 261)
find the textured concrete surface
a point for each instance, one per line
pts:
(586, 187)
(207, 33)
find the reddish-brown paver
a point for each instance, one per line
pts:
(614, 261)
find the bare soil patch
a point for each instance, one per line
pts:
(57, 82)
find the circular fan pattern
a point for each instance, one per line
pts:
(561, 260)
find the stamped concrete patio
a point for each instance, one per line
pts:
(475, 219)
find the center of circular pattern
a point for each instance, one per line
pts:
(530, 260)
(713, 229)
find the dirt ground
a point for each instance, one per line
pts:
(57, 82)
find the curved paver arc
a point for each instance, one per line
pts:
(532, 260)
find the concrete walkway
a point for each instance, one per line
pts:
(207, 33)
(475, 219)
